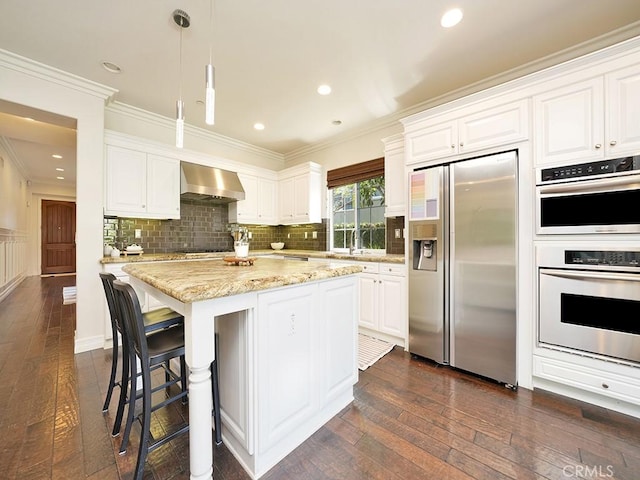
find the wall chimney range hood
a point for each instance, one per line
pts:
(199, 182)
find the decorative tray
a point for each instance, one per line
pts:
(135, 252)
(241, 261)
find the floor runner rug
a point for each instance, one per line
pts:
(370, 350)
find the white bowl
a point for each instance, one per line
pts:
(277, 245)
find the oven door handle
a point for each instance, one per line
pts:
(624, 182)
(576, 274)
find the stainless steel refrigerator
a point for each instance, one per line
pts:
(462, 271)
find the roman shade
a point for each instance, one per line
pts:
(355, 173)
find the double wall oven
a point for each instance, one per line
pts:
(589, 262)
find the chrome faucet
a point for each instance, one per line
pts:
(354, 240)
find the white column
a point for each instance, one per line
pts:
(199, 353)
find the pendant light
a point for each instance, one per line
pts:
(210, 78)
(183, 21)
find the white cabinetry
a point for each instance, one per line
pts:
(622, 125)
(383, 299)
(431, 138)
(602, 382)
(260, 203)
(394, 177)
(288, 332)
(141, 185)
(306, 362)
(589, 120)
(300, 193)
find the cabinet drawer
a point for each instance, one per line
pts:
(369, 267)
(610, 384)
(391, 269)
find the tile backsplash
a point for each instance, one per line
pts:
(204, 226)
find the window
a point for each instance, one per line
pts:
(358, 214)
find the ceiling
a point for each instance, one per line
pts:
(381, 58)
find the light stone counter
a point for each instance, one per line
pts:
(193, 281)
(163, 257)
(288, 346)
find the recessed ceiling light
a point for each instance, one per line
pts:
(56, 155)
(451, 17)
(60, 178)
(258, 126)
(324, 89)
(111, 67)
(59, 169)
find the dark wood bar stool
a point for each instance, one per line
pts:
(153, 349)
(153, 321)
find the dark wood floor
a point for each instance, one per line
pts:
(410, 419)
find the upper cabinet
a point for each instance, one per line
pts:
(300, 193)
(141, 185)
(430, 139)
(622, 124)
(589, 120)
(260, 203)
(394, 177)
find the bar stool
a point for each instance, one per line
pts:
(153, 349)
(153, 321)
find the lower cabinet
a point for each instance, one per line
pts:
(383, 292)
(612, 385)
(306, 360)
(287, 363)
(289, 359)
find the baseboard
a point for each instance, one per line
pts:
(10, 287)
(89, 343)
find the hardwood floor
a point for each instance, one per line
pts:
(410, 419)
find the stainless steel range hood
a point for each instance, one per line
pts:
(199, 182)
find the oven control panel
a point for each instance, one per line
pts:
(602, 167)
(602, 257)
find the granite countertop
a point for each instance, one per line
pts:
(163, 257)
(190, 281)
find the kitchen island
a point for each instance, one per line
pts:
(288, 356)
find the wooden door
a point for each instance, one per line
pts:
(58, 237)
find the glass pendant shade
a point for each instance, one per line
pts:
(179, 123)
(210, 94)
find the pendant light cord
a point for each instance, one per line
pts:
(210, 32)
(180, 79)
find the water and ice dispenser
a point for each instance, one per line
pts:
(425, 254)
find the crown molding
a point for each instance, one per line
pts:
(599, 48)
(165, 122)
(39, 70)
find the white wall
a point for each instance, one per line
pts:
(13, 223)
(28, 83)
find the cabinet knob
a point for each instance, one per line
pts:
(144, 206)
(612, 143)
(604, 385)
(453, 145)
(462, 144)
(598, 145)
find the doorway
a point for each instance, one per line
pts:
(58, 237)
